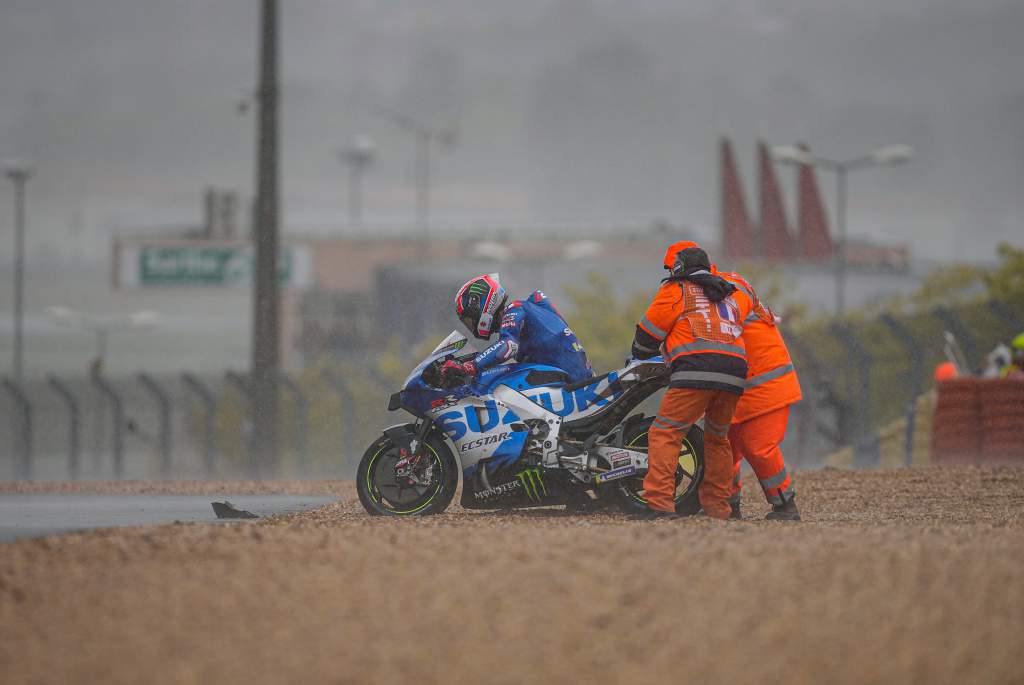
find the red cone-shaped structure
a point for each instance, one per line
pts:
(815, 242)
(737, 235)
(776, 241)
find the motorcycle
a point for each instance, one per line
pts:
(524, 437)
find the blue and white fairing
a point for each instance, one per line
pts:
(482, 428)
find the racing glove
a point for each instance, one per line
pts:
(453, 369)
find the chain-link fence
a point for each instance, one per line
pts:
(184, 426)
(860, 375)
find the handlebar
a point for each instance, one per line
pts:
(432, 374)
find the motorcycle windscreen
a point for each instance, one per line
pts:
(450, 345)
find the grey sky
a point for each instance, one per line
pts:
(567, 109)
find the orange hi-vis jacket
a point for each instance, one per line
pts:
(771, 377)
(702, 339)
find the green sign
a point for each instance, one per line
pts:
(194, 265)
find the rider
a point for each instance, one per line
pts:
(529, 330)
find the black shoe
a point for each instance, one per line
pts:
(652, 515)
(735, 515)
(786, 511)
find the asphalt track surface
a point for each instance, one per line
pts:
(36, 514)
(908, 576)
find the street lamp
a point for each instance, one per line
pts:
(425, 137)
(19, 172)
(357, 155)
(103, 326)
(889, 155)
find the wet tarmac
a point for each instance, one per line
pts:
(27, 515)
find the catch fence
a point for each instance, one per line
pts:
(858, 377)
(183, 426)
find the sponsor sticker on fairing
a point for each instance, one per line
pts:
(620, 458)
(488, 440)
(444, 402)
(615, 474)
(497, 490)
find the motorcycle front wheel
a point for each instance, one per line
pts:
(429, 490)
(629, 492)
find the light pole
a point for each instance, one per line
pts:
(884, 156)
(19, 172)
(425, 138)
(266, 337)
(357, 155)
(266, 345)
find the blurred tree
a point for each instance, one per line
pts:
(949, 284)
(391, 365)
(1006, 281)
(605, 320)
(962, 283)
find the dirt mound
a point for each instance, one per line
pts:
(895, 576)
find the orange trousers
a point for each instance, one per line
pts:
(757, 440)
(680, 408)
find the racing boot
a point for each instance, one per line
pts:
(736, 514)
(786, 511)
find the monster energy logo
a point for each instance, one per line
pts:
(532, 483)
(477, 288)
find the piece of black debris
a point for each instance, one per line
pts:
(227, 510)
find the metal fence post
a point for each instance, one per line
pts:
(115, 402)
(952, 322)
(244, 388)
(867, 441)
(209, 408)
(241, 383)
(914, 375)
(23, 470)
(347, 407)
(301, 420)
(163, 401)
(74, 426)
(1003, 311)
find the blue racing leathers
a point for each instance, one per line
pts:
(532, 331)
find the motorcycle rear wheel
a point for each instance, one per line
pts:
(381, 493)
(689, 473)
